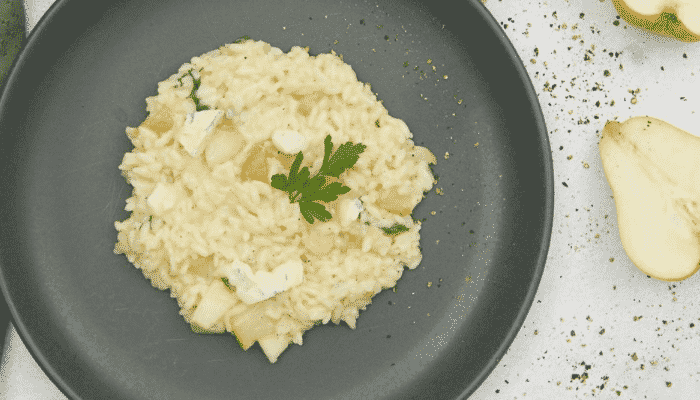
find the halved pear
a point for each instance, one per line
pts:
(678, 19)
(653, 170)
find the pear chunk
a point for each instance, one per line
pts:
(654, 175)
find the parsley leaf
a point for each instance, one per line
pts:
(311, 210)
(395, 230)
(345, 157)
(307, 190)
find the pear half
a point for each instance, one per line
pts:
(679, 19)
(653, 170)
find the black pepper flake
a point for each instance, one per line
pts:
(685, 55)
(565, 185)
(692, 325)
(561, 147)
(362, 22)
(573, 333)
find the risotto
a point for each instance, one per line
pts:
(240, 255)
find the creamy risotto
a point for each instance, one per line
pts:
(240, 255)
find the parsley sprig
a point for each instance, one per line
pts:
(307, 190)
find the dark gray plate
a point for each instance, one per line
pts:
(100, 331)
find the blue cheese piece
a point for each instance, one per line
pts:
(349, 211)
(252, 288)
(198, 126)
(289, 141)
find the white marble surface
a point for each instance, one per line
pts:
(598, 327)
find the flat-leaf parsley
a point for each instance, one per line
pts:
(307, 190)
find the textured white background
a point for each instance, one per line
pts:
(598, 327)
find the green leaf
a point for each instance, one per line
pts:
(331, 192)
(228, 285)
(279, 181)
(395, 230)
(195, 87)
(306, 190)
(344, 158)
(312, 187)
(311, 210)
(327, 149)
(294, 169)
